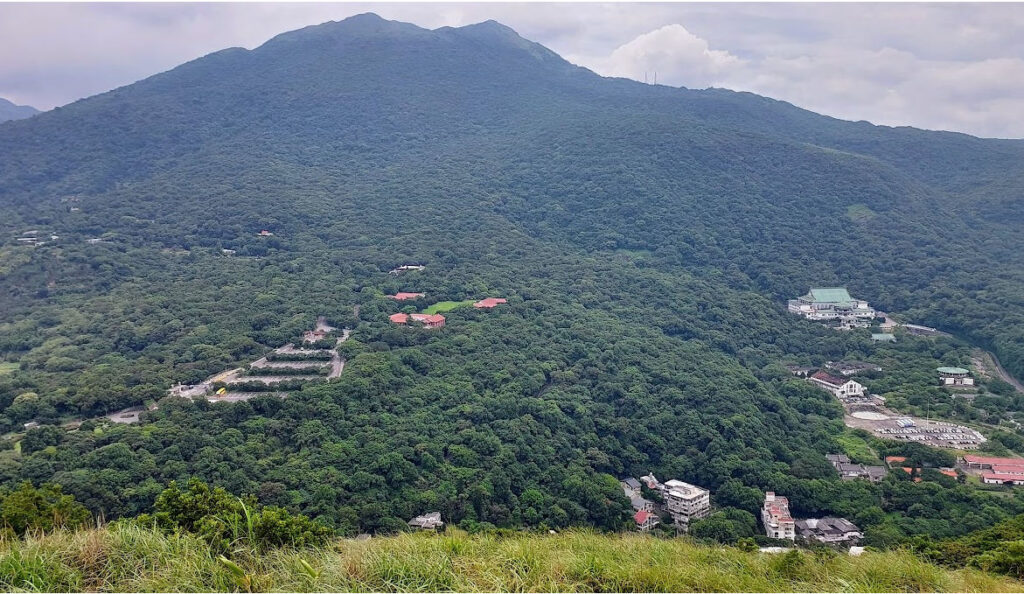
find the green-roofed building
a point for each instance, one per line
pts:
(833, 303)
(955, 376)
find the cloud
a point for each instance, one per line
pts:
(676, 55)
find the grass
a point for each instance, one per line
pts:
(8, 368)
(857, 448)
(128, 558)
(443, 306)
(859, 213)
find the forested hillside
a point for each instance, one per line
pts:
(645, 237)
(11, 111)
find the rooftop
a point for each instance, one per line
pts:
(489, 302)
(953, 370)
(830, 295)
(830, 379)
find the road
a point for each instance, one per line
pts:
(1003, 375)
(337, 363)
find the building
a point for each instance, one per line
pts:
(849, 471)
(430, 521)
(883, 337)
(776, 519)
(840, 387)
(849, 368)
(399, 318)
(313, 335)
(828, 530)
(832, 303)
(406, 268)
(401, 296)
(265, 233)
(685, 502)
(489, 303)
(631, 487)
(954, 376)
(429, 320)
(801, 370)
(996, 478)
(651, 482)
(1002, 466)
(645, 520)
(641, 504)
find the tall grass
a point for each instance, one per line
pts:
(130, 558)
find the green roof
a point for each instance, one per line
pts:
(953, 370)
(831, 295)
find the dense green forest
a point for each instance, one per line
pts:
(645, 237)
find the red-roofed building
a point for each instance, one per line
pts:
(399, 318)
(997, 465)
(775, 517)
(910, 470)
(401, 296)
(429, 320)
(948, 472)
(840, 387)
(891, 460)
(489, 302)
(998, 478)
(645, 520)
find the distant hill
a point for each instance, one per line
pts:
(10, 111)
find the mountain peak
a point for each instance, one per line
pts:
(11, 111)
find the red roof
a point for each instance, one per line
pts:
(891, 459)
(641, 516)
(400, 296)
(830, 379)
(490, 302)
(428, 319)
(999, 476)
(972, 459)
(950, 473)
(399, 318)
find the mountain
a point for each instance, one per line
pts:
(10, 111)
(646, 238)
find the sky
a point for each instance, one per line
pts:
(936, 66)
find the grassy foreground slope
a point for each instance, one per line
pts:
(127, 558)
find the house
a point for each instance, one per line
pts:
(828, 530)
(1006, 466)
(836, 459)
(641, 504)
(996, 478)
(875, 473)
(849, 368)
(838, 386)
(431, 521)
(883, 337)
(954, 376)
(685, 502)
(831, 303)
(645, 520)
(429, 320)
(895, 460)
(489, 303)
(399, 318)
(313, 335)
(401, 296)
(849, 471)
(801, 370)
(651, 482)
(631, 487)
(776, 519)
(265, 233)
(406, 268)
(31, 425)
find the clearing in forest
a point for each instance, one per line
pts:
(6, 368)
(443, 306)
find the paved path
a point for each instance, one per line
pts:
(337, 363)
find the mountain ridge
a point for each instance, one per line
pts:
(9, 111)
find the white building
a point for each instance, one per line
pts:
(776, 519)
(686, 502)
(831, 303)
(431, 521)
(954, 376)
(841, 387)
